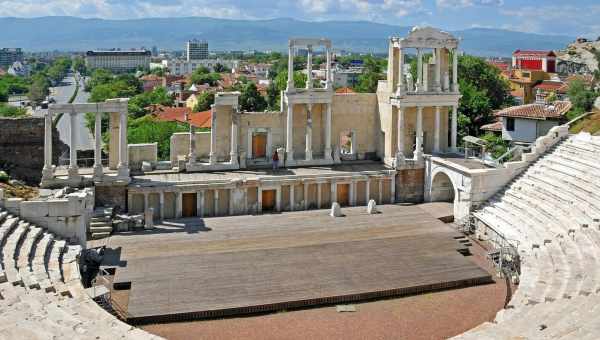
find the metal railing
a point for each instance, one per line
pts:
(505, 252)
(106, 299)
(513, 153)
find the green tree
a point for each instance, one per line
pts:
(146, 129)
(496, 146)
(78, 65)
(220, 68)
(11, 111)
(251, 99)
(205, 78)
(273, 96)
(582, 98)
(138, 104)
(368, 80)
(39, 89)
(98, 77)
(205, 100)
(281, 80)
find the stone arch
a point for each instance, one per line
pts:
(442, 188)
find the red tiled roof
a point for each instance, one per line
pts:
(345, 90)
(177, 114)
(550, 85)
(499, 64)
(534, 53)
(495, 126)
(537, 111)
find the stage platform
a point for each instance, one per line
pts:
(201, 268)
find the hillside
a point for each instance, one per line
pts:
(70, 33)
(587, 53)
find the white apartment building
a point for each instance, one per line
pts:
(196, 50)
(118, 61)
(178, 67)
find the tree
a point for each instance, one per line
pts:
(251, 99)
(138, 104)
(220, 68)
(98, 77)
(281, 80)
(146, 129)
(205, 100)
(581, 97)
(205, 78)
(11, 111)
(78, 65)
(496, 146)
(39, 89)
(273, 97)
(368, 80)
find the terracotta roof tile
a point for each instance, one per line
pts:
(537, 111)
(534, 53)
(177, 114)
(495, 126)
(344, 90)
(550, 85)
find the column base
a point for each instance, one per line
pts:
(400, 160)
(48, 173)
(212, 159)
(308, 155)
(98, 173)
(233, 159)
(73, 172)
(123, 171)
(328, 152)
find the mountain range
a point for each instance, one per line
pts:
(79, 34)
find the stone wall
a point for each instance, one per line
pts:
(111, 196)
(22, 148)
(409, 185)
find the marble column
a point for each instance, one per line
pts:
(400, 136)
(278, 199)
(454, 131)
(200, 203)
(319, 194)
(216, 202)
(192, 149)
(419, 135)
(437, 130)
(329, 81)
(230, 211)
(305, 196)
(259, 199)
(380, 189)
(234, 139)
(123, 166)
(146, 205)
(333, 191)
(309, 78)
(328, 133)
(419, 70)
(213, 135)
(47, 171)
(401, 88)
(290, 82)
(438, 70)
(178, 204)
(308, 134)
(289, 138)
(292, 197)
(367, 190)
(352, 192)
(73, 168)
(455, 70)
(98, 147)
(393, 189)
(161, 203)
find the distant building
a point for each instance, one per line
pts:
(346, 77)
(9, 56)
(534, 61)
(548, 89)
(196, 50)
(180, 67)
(118, 61)
(19, 69)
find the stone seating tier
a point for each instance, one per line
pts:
(41, 295)
(553, 210)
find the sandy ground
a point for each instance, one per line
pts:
(430, 316)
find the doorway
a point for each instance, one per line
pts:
(268, 200)
(343, 194)
(188, 208)
(259, 145)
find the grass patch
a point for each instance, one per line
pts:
(589, 124)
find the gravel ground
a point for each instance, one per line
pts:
(430, 316)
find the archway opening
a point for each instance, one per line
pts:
(442, 189)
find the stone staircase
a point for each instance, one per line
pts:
(553, 210)
(41, 295)
(101, 223)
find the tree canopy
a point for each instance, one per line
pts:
(581, 96)
(251, 99)
(368, 80)
(205, 100)
(138, 104)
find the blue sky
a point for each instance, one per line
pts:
(575, 17)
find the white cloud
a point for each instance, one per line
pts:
(467, 3)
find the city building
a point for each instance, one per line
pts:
(526, 123)
(550, 90)
(9, 56)
(118, 61)
(19, 69)
(523, 82)
(178, 67)
(534, 60)
(196, 50)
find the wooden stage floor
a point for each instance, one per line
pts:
(198, 268)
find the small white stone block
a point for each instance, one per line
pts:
(149, 218)
(372, 207)
(58, 207)
(146, 166)
(34, 209)
(336, 210)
